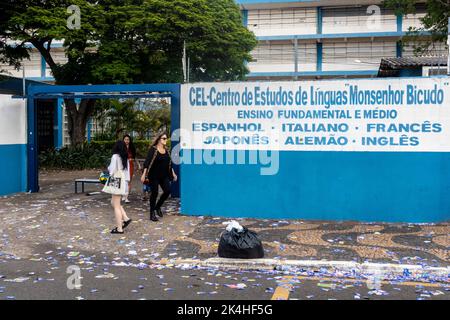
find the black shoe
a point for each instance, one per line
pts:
(159, 212)
(153, 216)
(126, 223)
(115, 231)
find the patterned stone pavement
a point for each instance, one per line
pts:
(347, 241)
(56, 220)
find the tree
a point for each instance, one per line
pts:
(435, 21)
(128, 41)
(116, 117)
(40, 22)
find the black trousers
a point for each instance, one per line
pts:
(165, 186)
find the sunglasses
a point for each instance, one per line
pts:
(163, 138)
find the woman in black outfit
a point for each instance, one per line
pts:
(158, 169)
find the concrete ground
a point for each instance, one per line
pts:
(73, 229)
(33, 280)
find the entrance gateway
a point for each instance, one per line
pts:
(38, 93)
(392, 162)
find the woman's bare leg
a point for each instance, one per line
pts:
(124, 214)
(115, 201)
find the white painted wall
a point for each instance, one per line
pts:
(32, 67)
(412, 20)
(277, 22)
(357, 20)
(279, 67)
(12, 120)
(356, 54)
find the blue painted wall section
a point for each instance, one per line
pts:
(245, 17)
(13, 168)
(43, 67)
(399, 23)
(410, 72)
(89, 129)
(364, 186)
(175, 113)
(399, 49)
(319, 49)
(319, 20)
(32, 145)
(60, 123)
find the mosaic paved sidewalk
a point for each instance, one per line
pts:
(349, 241)
(57, 221)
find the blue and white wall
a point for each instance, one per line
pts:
(13, 171)
(390, 160)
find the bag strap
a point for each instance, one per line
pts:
(155, 153)
(154, 157)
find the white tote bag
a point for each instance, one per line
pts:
(116, 184)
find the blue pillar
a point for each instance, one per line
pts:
(319, 20)
(400, 23)
(32, 145)
(43, 67)
(175, 135)
(319, 50)
(400, 32)
(245, 23)
(89, 128)
(59, 124)
(399, 49)
(245, 17)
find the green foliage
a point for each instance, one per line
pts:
(128, 41)
(114, 118)
(152, 119)
(142, 146)
(76, 157)
(94, 155)
(131, 41)
(435, 22)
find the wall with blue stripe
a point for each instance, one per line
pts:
(13, 168)
(362, 186)
(13, 152)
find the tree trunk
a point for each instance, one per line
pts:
(78, 119)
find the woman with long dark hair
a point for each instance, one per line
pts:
(158, 170)
(119, 161)
(131, 151)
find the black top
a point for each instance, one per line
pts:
(161, 167)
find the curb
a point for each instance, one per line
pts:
(340, 269)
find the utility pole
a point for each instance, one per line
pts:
(23, 79)
(184, 62)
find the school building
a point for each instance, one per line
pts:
(327, 39)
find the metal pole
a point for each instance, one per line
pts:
(188, 69)
(184, 62)
(23, 80)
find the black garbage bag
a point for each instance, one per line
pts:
(240, 245)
